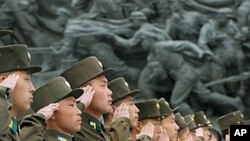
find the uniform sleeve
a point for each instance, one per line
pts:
(80, 106)
(5, 116)
(32, 128)
(119, 129)
(144, 138)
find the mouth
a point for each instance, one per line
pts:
(79, 120)
(31, 100)
(110, 102)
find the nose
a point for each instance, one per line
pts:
(177, 127)
(136, 109)
(109, 92)
(32, 88)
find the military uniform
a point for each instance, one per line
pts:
(6, 119)
(149, 109)
(121, 90)
(12, 58)
(202, 121)
(33, 127)
(92, 129)
(5, 105)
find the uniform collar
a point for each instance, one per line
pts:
(93, 122)
(59, 135)
(13, 125)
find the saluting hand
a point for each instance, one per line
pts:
(87, 96)
(163, 135)
(147, 129)
(10, 81)
(49, 110)
(199, 132)
(121, 111)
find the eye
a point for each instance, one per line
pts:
(27, 79)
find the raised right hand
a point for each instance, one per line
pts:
(10, 81)
(49, 110)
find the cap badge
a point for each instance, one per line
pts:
(67, 83)
(158, 106)
(100, 64)
(29, 56)
(126, 83)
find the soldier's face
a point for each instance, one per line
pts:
(102, 100)
(185, 134)
(22, 94)
(171, 127)
(133, 110)
(68, 117)
(157, 130)
(206, 133)
(193, 135)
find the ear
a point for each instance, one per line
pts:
(53, 117)
(2, 78)
(140, 125)
(113, 110)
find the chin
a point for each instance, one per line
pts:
(77, 129)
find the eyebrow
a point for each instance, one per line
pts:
(104, 81)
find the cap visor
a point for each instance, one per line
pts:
(132, 93)
(76, 93)
(34, 69)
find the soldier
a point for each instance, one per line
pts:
(203, 124)
(224, 122)
(149, 114)
(192, 126)
(89, 72)
(183, 132)
(16, 68)
(122, 96)
(168, 119)
(54, 102)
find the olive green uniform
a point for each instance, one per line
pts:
(92, 129)
(33, 128)
(8, 124)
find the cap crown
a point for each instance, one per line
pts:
(201, 120)
(83, 71)
(165, 109)
(233, 118)
(53, 91)
(120, 89)
(148, 109)
(192, 125)
(181, 122)
(16, 57)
